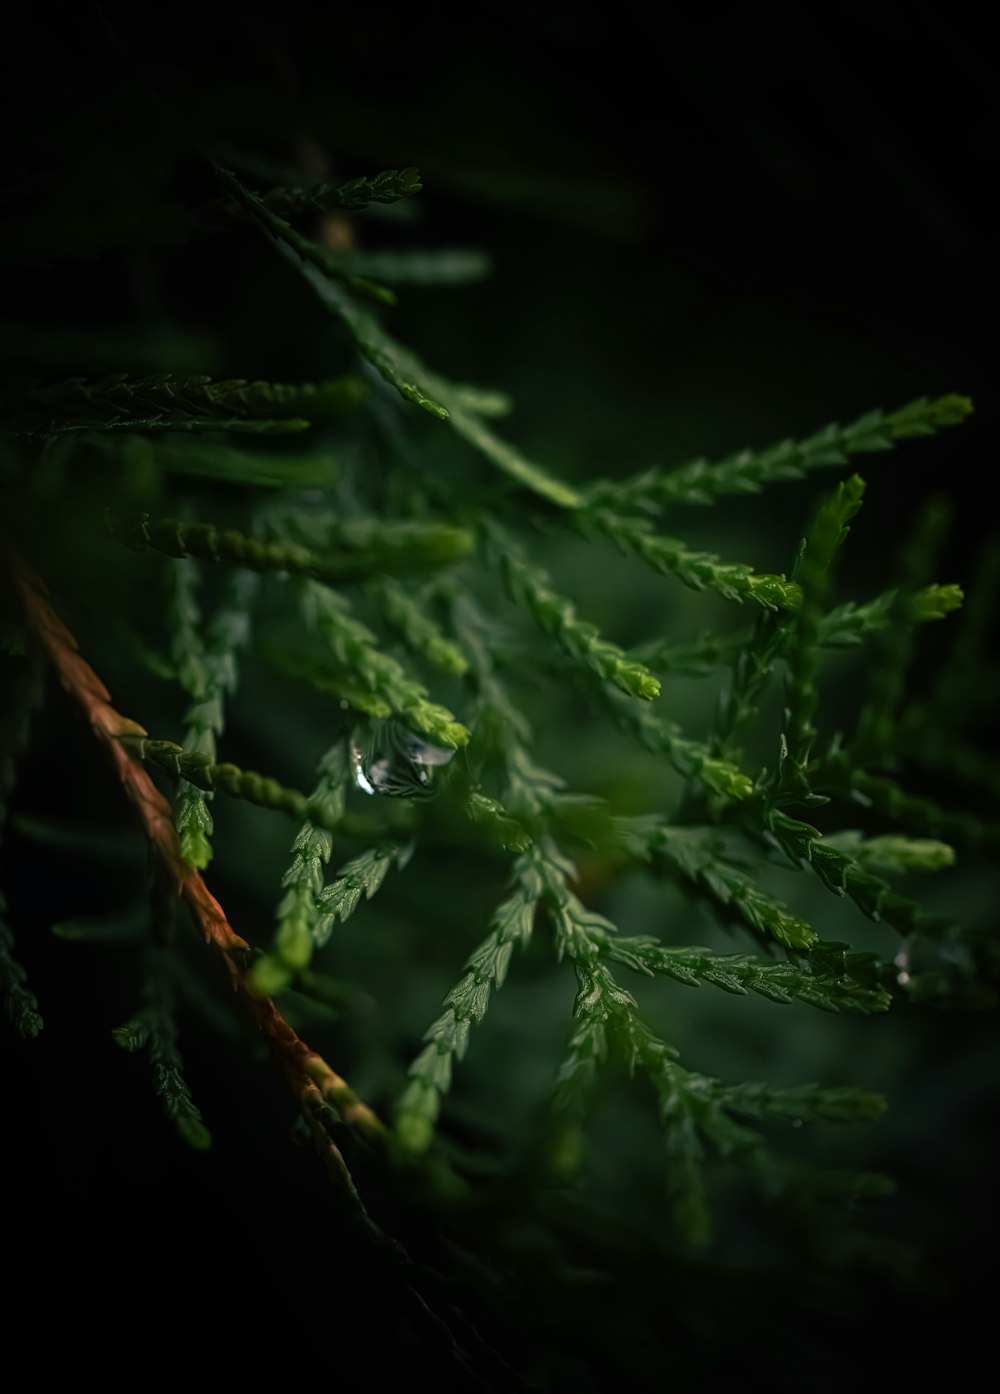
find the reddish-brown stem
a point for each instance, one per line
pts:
(305, 1071)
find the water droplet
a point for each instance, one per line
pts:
(391, 760)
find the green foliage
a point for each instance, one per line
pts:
(698, 854)
(388, 186)
(748, 471)
(410, 549)
(197, 768)
(418, 606)
(557, 616)
(354, 647)
(206, 669)
(827, 534)
(699, 570)
(153, 1030)
(164, 403)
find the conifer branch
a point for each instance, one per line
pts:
(298, 911)
(388, 186)
(466, 1006)
(697, 1110)
(202, 771)
(753, 669)
(358, 521)
(747, 471)
(177, 537)
(826, 535)
(829, 976)
(894, 854)
(308, 1074)
(354, 647)
(528, 585)
(421, 633)
(468, 420)
(695, 657)
(499, 724)
(400, 368)
(154, 1030)
(846, 875)
(699, 855)
(199, 458)
(845, 626)
(395, 547)
(314, 256)
(395, 364)
(164, 402)
(849, 623)
(208, 673)
(489, 813)
(699, 570)
(692, 759)
(309, 911)
(361, 877)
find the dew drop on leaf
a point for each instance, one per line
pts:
(391, 760)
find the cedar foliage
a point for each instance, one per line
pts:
(204, 536)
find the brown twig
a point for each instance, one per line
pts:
(311, 1080)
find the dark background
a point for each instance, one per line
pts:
(708, 232)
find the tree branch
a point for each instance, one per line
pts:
(305, 1070)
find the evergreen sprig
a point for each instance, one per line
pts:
(401, 368)
(228, 779)
(359, 878)
(388, 186)
(466, 1005)
(697, 1111)
(161, 401)
(355, 648)
(528, 585)
(699, 855)
(336, 516)
(692, 759)
(202, 458)
(747, 471)
(753, 665)
(844, 874)
(830, 976)
(827, 534)
(849, 623)
(412, 621)
(207, 670)
(417, 549)
(153, 1029)
(894, 854)
(699, 570)
(298, 911)
(845, 626)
